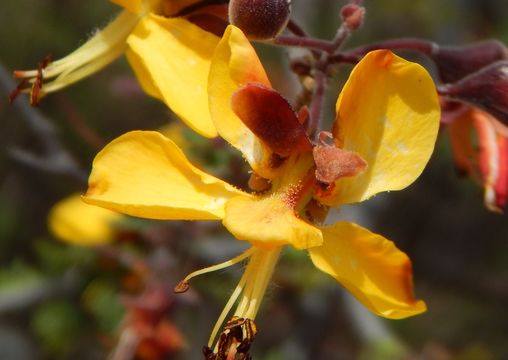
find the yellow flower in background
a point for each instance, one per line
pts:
(384, 133)
(170, 56)
(74, 222)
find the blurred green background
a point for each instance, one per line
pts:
(64, 302)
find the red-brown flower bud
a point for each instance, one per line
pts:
(455, 62)
(260, 19)
(486, 89)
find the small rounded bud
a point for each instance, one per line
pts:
(352, 16)
(260, 19)
(455, 62)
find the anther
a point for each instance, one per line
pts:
(182, 287)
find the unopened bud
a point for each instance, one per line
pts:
(352, 16)
(455, 62)
(486, 89)
(260, 19)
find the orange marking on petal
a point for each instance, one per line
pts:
(270, 117)
(387, 60)
(406, 270)
(97, 188)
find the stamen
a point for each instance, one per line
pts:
(182, 284)
(227, 307)
(100, 50)
(18, 90)
(37, 84)
(74, 75)
(263, 264)
(252, 286)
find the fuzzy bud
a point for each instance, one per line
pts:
(260, 19)
(486, 89)
(352, 16)
(455, 62)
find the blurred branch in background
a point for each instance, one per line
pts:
(26, 294)
(55, 158)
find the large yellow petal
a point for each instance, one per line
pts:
(269, 222)
(370, 267)
(73, 221)
(134, 6)
(144, 174)
(388, 113)
(143, 6)
(171, 58)
(234, 64)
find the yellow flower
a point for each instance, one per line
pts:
(384, 133)
(173, 48)
(73, 221)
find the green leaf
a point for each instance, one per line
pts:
(102, 300)
(56, 324)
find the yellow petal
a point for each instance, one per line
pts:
(370, 267)
(73, 221)
(175, 131)
(144, 174)
(134, 6)
(234, 64)
(171, 58)
(268, 222)
(388, 112)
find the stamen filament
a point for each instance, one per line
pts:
(244, 301)
(252, 286)
(100, 50)
(72, 76)
(220, 266)
(262, 265)
(227, 308)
